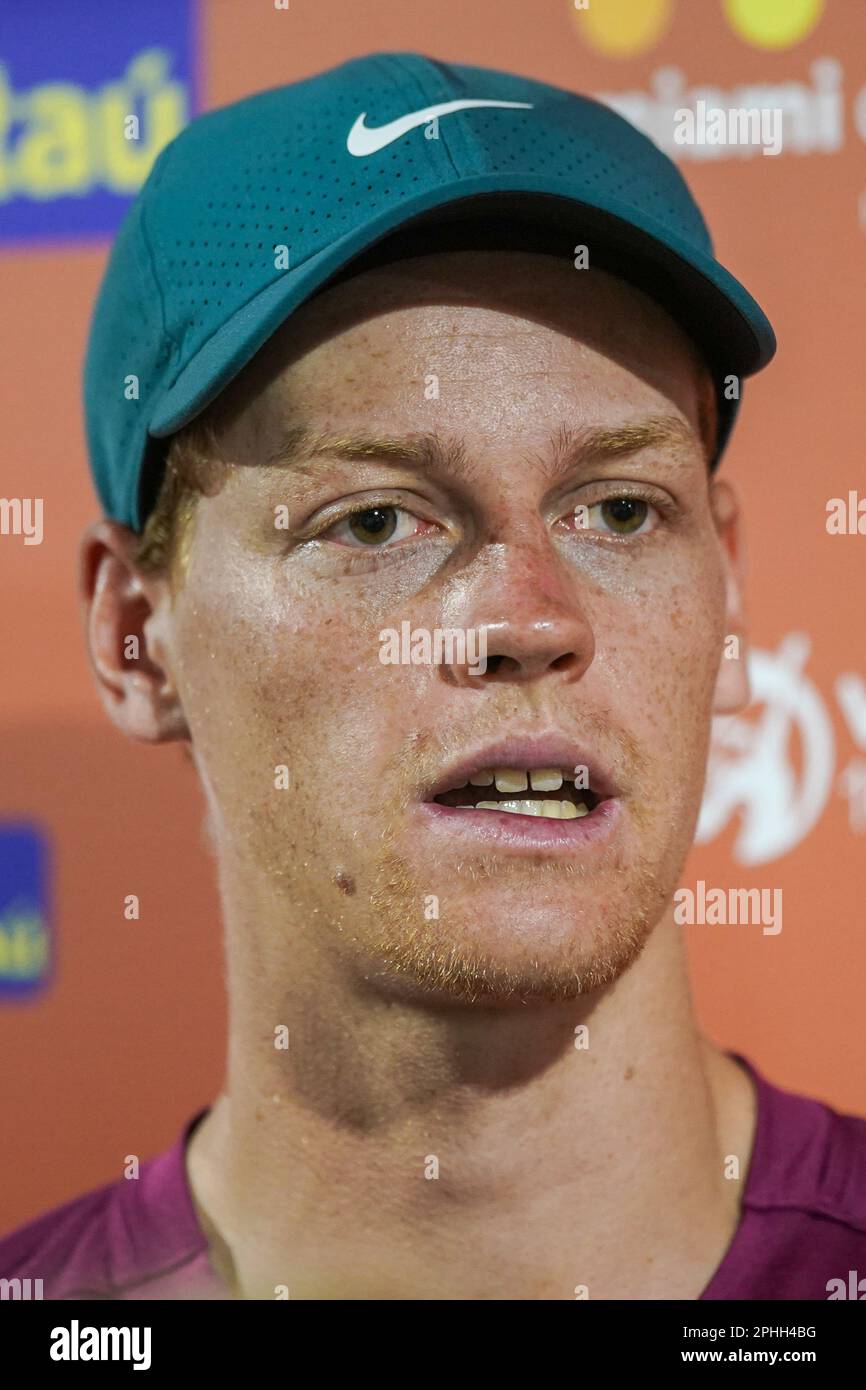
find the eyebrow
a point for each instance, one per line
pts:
(568, 448)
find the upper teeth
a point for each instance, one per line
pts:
(545, 779)
(510, 779)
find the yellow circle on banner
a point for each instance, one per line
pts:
(622, 27)
(773, 23)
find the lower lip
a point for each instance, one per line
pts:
(507, 830)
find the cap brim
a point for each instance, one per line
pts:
(725, 321)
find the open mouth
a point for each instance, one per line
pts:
(550, 792)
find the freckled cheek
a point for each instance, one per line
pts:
(263, 691)
(662, 663)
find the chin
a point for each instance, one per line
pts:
(493, 929)
(502, 949)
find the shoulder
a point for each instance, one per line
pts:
(808, 1156)
(110, 1239)
(62, 1250)
(802, 1229)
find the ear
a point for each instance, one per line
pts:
(732, 683)
(126, 620)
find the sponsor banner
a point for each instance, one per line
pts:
(25, 934)
(89, 95)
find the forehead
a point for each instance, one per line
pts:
(484, 341)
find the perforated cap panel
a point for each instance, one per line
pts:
(198, 279)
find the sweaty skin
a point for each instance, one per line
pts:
(452, 1037)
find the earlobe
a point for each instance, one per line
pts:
(123, 613)
(732, 682)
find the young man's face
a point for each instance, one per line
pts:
(604, 627)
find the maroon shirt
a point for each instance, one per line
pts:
(802, 1220)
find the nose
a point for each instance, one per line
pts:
(523, 608)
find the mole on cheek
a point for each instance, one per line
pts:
(345, 883)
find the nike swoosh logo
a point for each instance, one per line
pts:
(363, 140)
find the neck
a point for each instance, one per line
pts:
(393, 1150)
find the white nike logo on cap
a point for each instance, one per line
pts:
(362, 140)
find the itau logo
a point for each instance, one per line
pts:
(88, 98)
(25, 943)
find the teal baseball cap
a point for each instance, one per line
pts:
(255, 207)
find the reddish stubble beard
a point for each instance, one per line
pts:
(416, 955)
(562, 930)
(504, 930)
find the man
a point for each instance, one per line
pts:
(413, 349)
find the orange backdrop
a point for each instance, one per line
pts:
(126, 1037)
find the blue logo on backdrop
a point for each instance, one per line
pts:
(25, 955)
(90, 92)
